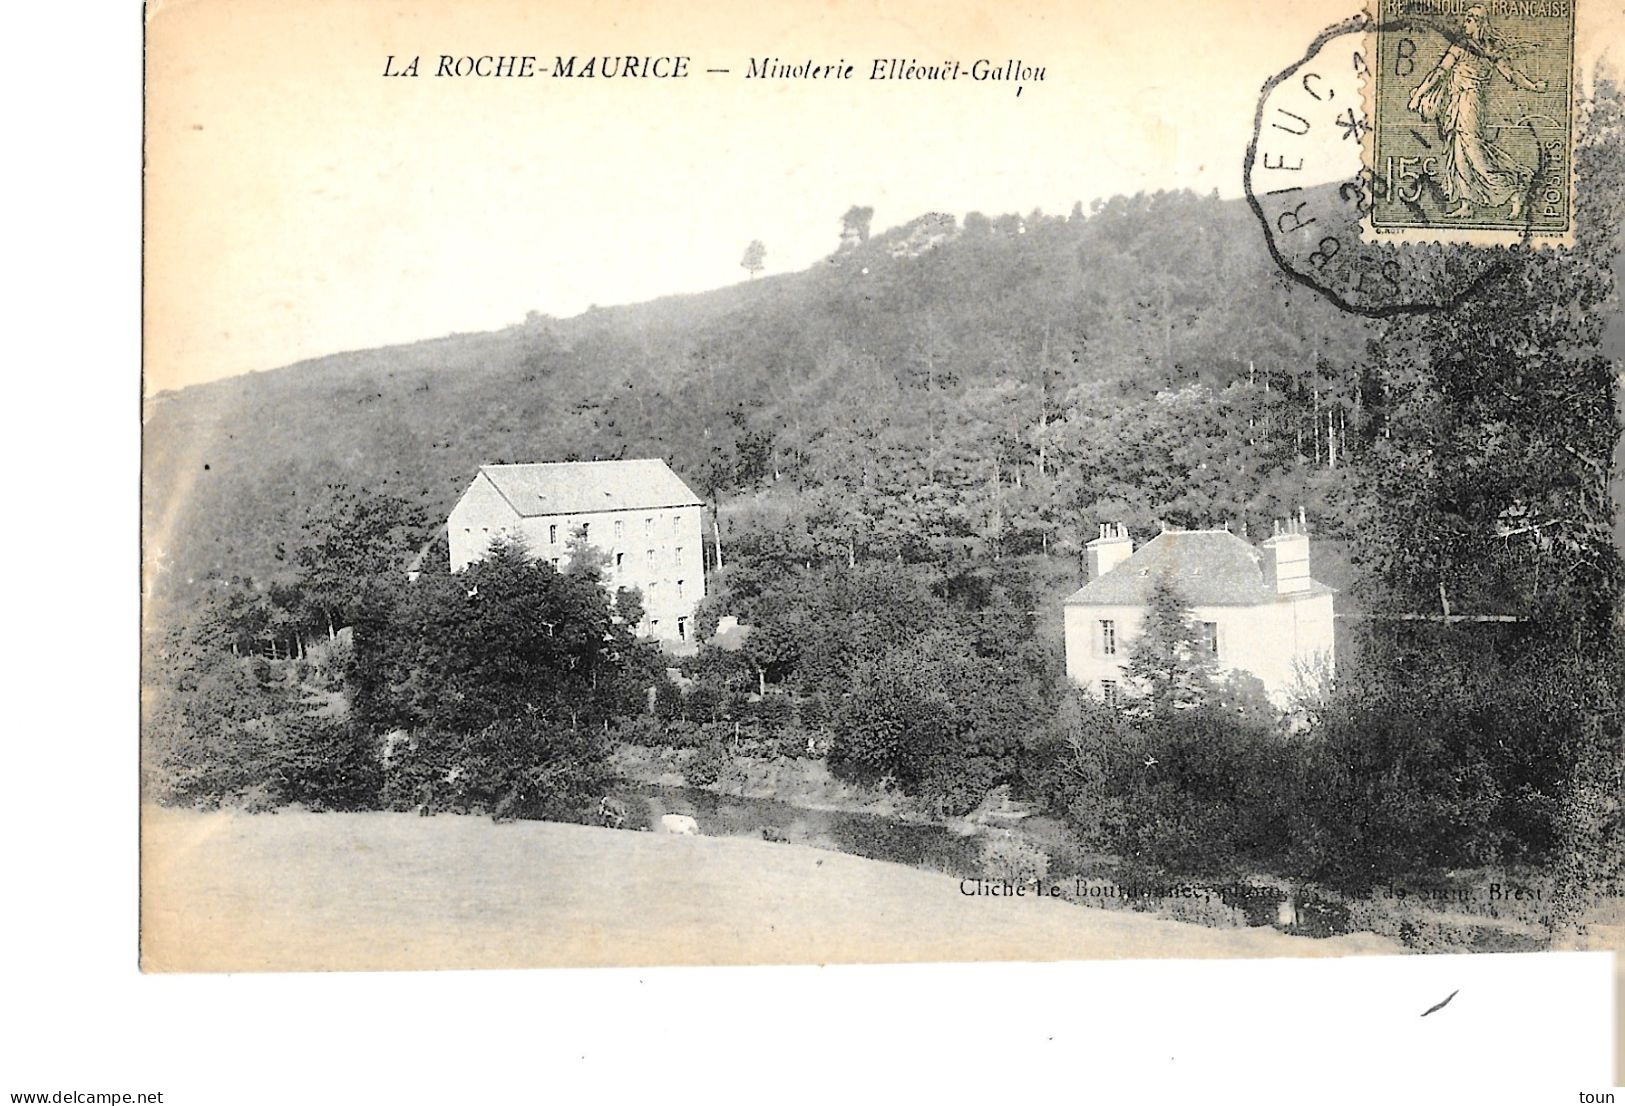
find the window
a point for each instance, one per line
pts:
(586, 532)
(648, 527)
(620, 527)
(1108, 637)
(553, 535)
(679, 589)
(682, 629)
(654, 589)
(1210, 637)
(676, 556)
(555, 562)
(649, 557)
(676, 523)
(620, 560)
(1108, 692)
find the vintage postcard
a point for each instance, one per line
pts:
(816, 483)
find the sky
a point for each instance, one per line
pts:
(299, 202)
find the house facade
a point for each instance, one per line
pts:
(1256, 609)
(639, 514)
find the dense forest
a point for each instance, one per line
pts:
(905, 447)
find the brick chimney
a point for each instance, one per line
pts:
(1286, 557)
(1109, 550)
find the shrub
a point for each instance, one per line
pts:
(812, 711)
(683, 734)
(707, 765)
(519, 768)
(668, 706)
(706, 702)
(1006, 856)
(642, 729)
(775, 712)
(324, 764)
(944, 723)
(796, 742)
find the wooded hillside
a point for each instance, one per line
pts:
(988, 388)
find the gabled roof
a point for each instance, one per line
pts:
(1211, 568)
(576, 487)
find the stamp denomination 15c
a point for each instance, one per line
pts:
(1472, 123)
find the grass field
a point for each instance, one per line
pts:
(300, 891)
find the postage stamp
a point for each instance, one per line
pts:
(1471, 110)
(1308, 178)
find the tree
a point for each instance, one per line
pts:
(585, 559)
(936, 720)
(855, 225)
(508, 637)
(755, 258)
(349, 539)
(1168, 660)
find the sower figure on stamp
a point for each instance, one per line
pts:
(1455, 97)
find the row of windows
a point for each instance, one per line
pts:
(618, 559)
(1207, 636)
(652, 626)
(619, 555)
(649, 590)
(620, 529)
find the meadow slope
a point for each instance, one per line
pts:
(297, 891)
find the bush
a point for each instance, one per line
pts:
(706, 702)
(642, 729)
(1006, 856)
(683, 734)
(324, 764)
(775, 712)
(520, 768)
(708, 764)
(797, 743)
(944, 724)
(813, 712)
(668, 706)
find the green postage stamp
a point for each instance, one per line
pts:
(1471, 110)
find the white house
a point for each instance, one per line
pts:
(1258, 608)
(640, 514)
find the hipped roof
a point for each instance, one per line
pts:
(1209, 568)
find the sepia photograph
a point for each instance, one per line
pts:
(823, 486)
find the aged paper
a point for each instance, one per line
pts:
(1023, 517)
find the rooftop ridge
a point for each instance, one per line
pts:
(570, 487)
(1215, 567)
